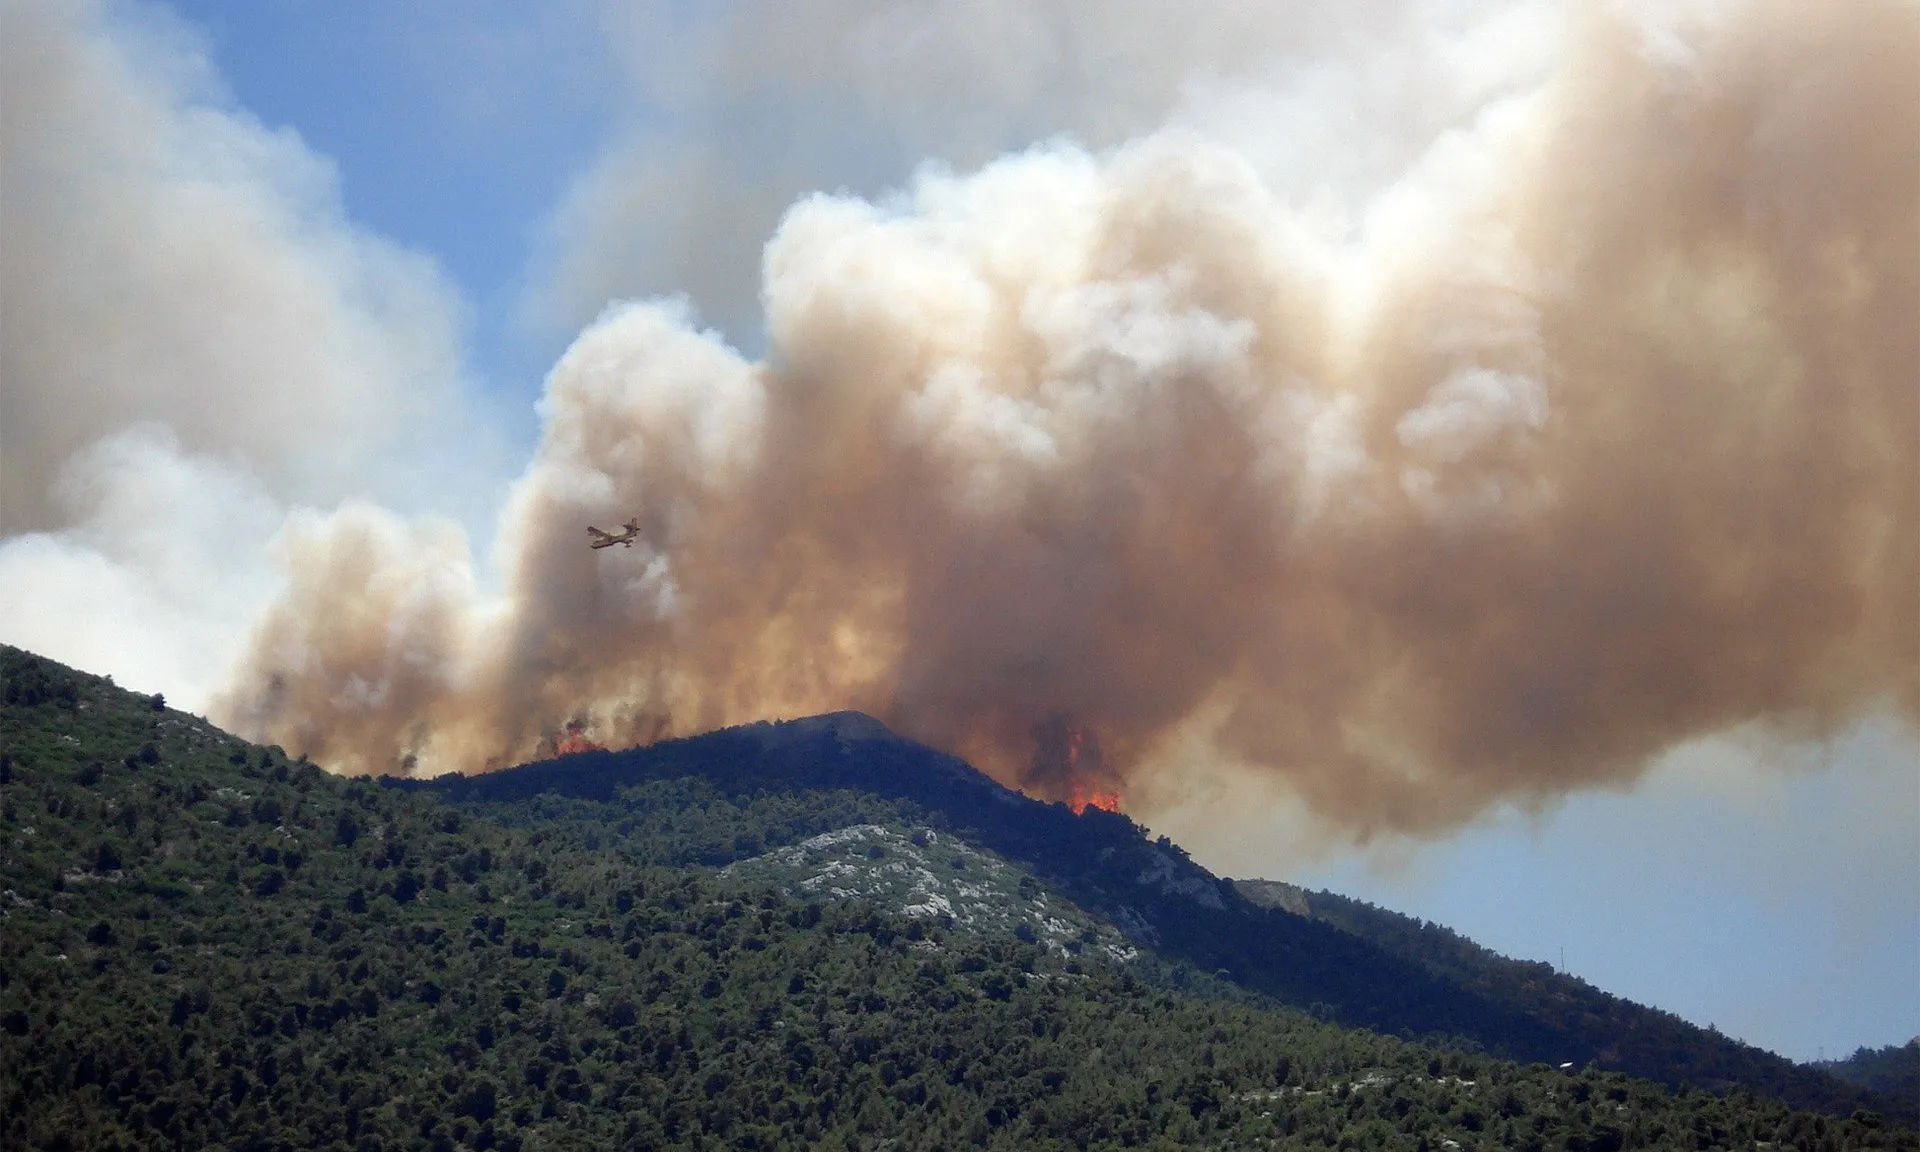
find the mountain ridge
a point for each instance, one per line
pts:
(210, 943)
(1341, 967)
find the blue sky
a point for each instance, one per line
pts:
(1746, 898)
(456, 129)
(549, 159)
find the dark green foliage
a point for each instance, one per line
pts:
(1631, 1036)
(572, 986)
(1893, 1071)
(689, 801)
(27, 682)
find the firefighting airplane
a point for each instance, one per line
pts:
(609, 539)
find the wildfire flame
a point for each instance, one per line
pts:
(1085, 796)
(574, 739)
(1067, 765)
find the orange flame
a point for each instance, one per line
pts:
(573, 740)
(1084, 797)
(1083, 766)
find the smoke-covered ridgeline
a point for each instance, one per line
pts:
(1599, 434)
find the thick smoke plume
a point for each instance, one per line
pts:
(1599, 433)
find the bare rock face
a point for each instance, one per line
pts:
(936, 876)
(1275, 894)
(1182, 878)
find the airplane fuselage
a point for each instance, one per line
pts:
(601, 539)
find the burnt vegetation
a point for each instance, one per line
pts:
(208, 943)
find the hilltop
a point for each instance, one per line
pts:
(205, 943)
(1893, 1071)
(1337, 959)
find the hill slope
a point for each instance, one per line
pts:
(1337, 959)
(205, 944)
(1621, 1033)
(1893, 1071)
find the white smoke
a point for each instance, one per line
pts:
(192, 337)
(772, 101)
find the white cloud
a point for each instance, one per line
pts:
(737, 110)
(158, 575)
(173, 265)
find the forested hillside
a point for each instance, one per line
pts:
(206, 944)
(1339, 961)
(1621, 1033)
(1893, 1071)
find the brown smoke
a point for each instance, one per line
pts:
(1603, 435)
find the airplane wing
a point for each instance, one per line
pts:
(630, 531)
